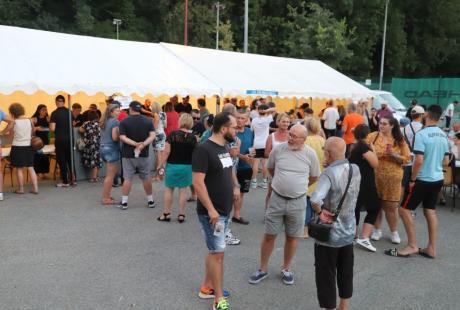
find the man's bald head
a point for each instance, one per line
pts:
(336, 147)
(297, 137)
(229, 108)
(299, 130)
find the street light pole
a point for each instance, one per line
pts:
(186, 24)
(246, 21)
(218, 7)
(117, 22)
(382, 59)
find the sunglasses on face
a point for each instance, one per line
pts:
(196, 118)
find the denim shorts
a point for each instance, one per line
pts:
(215, 244)
(110, 154)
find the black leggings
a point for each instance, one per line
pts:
(368, 199)
(63, 159)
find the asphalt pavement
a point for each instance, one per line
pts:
(62, 250)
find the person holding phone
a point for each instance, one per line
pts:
(392, 152)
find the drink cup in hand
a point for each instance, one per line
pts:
(389, 149)
(252, 152)
(137, 152)
(219, 229)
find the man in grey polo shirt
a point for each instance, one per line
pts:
(293, 165)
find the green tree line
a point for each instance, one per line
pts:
(423, 36)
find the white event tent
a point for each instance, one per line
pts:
(32, 60)
(252, 74)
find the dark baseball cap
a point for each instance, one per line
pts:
(136, 106)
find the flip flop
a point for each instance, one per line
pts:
(191, 199)
(33, 192)
(394, 252)
(18, 192)
(424, 254)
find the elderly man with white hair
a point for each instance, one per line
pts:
(293, 166)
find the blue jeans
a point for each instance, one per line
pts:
(309, 213)
(110, 154)
(215, 244)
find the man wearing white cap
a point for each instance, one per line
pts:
(409, 132)
(384, 111)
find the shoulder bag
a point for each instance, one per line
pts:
(320, 231)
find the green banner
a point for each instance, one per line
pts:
(427, 91)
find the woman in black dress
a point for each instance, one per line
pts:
(41, 122)
(362, 154)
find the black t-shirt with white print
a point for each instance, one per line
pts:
(215, 161)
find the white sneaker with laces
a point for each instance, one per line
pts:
(230, 239)
(365, 243)
(395, 238)
(376, 234)
(253, 184)
(264, 184)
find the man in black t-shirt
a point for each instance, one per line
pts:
(60, 125)
(184, 107)
(216, 189)
(198, 127)
(77, 118)
(136, 133)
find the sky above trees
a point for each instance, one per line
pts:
(423, 36)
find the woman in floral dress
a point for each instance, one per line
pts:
(392, 152)
(91, 156)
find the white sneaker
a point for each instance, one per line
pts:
(365, 243)
(1, 196)
(253, 184)
(395, 238)
(264, 184)
(376, 234)
(230, 239)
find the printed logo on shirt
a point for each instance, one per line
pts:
(226, 160)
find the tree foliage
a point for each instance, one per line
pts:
(423, 36)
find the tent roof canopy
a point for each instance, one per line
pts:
(39, 60)
(246, 74)
(35, 60)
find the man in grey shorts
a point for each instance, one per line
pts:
(136, 133)
(293, 165)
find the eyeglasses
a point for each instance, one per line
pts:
(196, 118)
(294, 136)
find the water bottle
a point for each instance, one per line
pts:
(219, 229)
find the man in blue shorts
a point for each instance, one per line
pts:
(431, 153)
(216, 189)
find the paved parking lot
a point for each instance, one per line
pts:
(63, 250)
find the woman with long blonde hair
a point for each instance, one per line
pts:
(160, 123)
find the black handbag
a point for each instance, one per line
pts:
(322, 232)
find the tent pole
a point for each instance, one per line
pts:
(73, 175)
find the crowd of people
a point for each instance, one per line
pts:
(356, 157)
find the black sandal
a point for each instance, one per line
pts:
(181, 218)
(165, 217)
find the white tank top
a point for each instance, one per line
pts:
(274, 142)
(22, 132)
